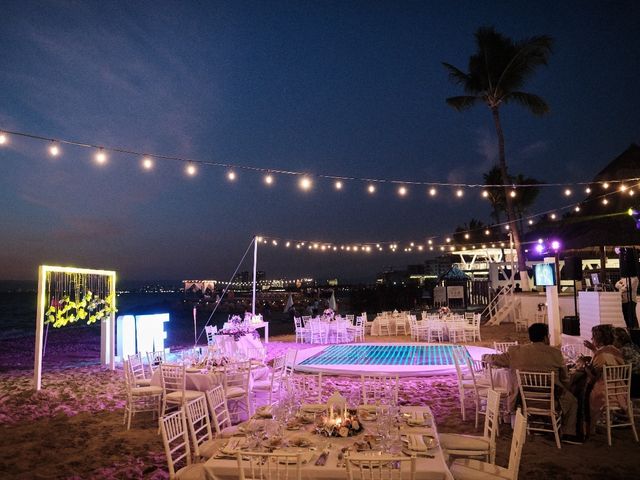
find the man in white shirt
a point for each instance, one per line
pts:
(628, 288)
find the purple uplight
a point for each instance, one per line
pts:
(555, 245)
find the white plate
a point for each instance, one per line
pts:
(429, 440)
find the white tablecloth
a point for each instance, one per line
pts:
(426, 468)
(206, 381)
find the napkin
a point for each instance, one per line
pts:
(416, 443)
(417, 418)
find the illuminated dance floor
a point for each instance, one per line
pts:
(404, 359)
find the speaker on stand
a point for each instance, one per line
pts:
(628, 258)
(572, 271)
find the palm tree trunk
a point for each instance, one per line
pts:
(511, 217)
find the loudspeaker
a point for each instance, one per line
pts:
(571, 326)
(628, 262)
(572, 268)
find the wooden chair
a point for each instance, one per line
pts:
(468, 469)
(473, 445)
(539, 403)
(617, 383)
(176, 447)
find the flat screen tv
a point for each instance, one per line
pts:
(545, 274)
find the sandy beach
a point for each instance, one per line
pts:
(73, 428)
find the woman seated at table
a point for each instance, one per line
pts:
(604, 353)
(631, 354)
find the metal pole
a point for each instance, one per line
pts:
(512, 263)
(255, 266)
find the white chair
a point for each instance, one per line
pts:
(401, 325)
(140, 398)
(379, 389)
(539, 403)
(466, 372)
(473, 445)
(308, 388)
(357, 330)
(200, 428)
(457, 332)
(302, 333)
(468, 469)
(272, 385)
(342, 332)
(350, 318)
(367, 324)
(211, 331)
(237, 379)
(520, 322)
(269, 466)
(435, 329)
(219, 411)
(156, 358)
(176, 447)
(289, 361)
(318, 331)
(384, 328)
(174, 386)
(368, 466)
(472, 328)
(617, 384)
(503, 347)
(137, 371)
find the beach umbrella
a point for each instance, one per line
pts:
(332, 301)
(289, 304)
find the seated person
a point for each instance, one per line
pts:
(538, 356)
(604, 353)
(631, 354)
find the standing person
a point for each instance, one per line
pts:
(628, 288)
(539, 356)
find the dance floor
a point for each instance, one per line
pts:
(404, 359)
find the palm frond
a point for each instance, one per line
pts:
(462, 102)
(533, 102)
(456, 75)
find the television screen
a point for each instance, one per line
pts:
(595, 278)
(545, 274)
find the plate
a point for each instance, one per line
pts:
(313, 407)
(430, 441)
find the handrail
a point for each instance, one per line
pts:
(494, 305)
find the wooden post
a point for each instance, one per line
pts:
(37, 361)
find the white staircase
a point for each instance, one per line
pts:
(501, 306)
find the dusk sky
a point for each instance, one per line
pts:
(345, 88)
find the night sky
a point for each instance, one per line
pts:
(346, 88)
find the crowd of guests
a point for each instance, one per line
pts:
(581, 395)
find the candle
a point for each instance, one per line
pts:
(331, 411)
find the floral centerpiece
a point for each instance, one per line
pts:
(444, 311)
(343, 424)
(238, 329)
(328, 314)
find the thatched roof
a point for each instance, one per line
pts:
(597, 224)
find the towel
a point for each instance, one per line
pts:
(416, 443)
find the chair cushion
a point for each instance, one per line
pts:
(143, 382)
(234, 392)
(188, 396)
(229, 432)
(208, 448)
(454, 441)
(143, 391)
(195, 471)
(466, 469)
(262, 385)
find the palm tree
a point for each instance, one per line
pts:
(497, 72)
(473, 229)
(526, 197)
(495, 194)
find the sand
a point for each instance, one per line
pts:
(73, 428)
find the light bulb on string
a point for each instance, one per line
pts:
(605, 185)
(622, 187)
(402, 191)
(432, 192)
(507, 227)
(459, 193)
(577, 209)
(268, 179)
(552, 216)
(371, 188)
(147, 163)
(485, 194)
(487, 232)
(512, 194)
(305, 183)
(54, 150)
(430, 242)
(631, 193)
(191, 169)
(587, 190)
(101, 157)
(3, 138)
(448, 240)
(338, 185)
(567, 192)
(530, 222)
(466, 236)
(231, 175)
(605, 201)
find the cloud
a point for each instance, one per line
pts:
(533, 149)
(487, 146)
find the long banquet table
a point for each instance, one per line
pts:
(202, 380)
(427, 468)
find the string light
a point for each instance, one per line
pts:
(577, 209)
(147, 163)
(402, 191)
(459, 193)
(587, 190)
(231, 175)
(553, 216)
(3, 138)
(512, 194)
(191, 169)
(605, 201)
(622, 187)
(268, 179)
(54, 150)
(487, 232)
(432, 192)
(485, 194)
(338, 185)
(631, 193)
(605, 185)
(371, 188)
(466, 236)
(530, 222)
(567, 192)
(305, 183)
(101, 157)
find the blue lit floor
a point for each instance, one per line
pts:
(403, 359)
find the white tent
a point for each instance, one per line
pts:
(332, 301)
(289, 304)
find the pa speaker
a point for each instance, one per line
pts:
(628, 262)
(572, 268)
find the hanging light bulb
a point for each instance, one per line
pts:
(430, 242)
(622, 187)
(530, 222)
(485, 194)
(605, 185)
(552, 216)
(54, 150)
(191, 169)
(466, 236)
(459, 193)
(231, 175)
(631, 193)
(448, 240)
(402, 191)
(605, 201)
(371, 188)
(587, 190)
(506, 227)
(338, 185)
(432, 192)
(288, 244)
(567, 192)
(101, 157)
(305, 183)
(268, 179)
(487, 232)
(577, 209)
(512, 194)
(3, 138)
(147, 163)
